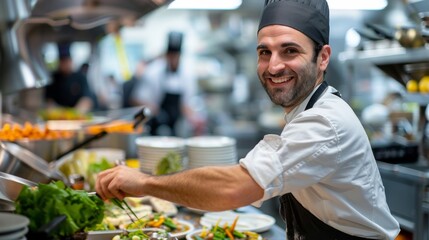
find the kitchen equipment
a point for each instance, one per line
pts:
(407, 37)
(16, 71)
(417, 70)
(10, 187)
(396, 152)
(20, 162)
(142, 115)
(48, 149)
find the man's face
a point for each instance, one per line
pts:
(173, 59)
(66, 65)
(285, 65)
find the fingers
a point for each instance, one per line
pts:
(103, 181)
(113, 182)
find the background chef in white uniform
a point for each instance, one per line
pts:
(168, 87)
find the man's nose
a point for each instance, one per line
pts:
(276, 65)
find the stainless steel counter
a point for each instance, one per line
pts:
(407, 192)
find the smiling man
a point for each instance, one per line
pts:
(321, 165)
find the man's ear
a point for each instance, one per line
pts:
(325, 55)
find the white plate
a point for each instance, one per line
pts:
(198, 231)
(180, 235)
(109, 234)
(160, 142)
(210, 141)
(10, 222)
(14, 235)
(246, 221)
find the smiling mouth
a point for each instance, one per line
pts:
(282, 79)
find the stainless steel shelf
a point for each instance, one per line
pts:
(390, 60)
(421, 99)
(388, 56)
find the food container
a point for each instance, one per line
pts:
(47, 149)
(20, 162)
(124, 141)
(10, 187)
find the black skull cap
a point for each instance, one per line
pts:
(311, 17)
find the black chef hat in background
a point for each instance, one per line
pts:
(64, 50)
(310, 17)
(175, 42)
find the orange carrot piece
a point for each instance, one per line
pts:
(234, 223)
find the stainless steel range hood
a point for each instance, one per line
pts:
(15, 73)
(25, 25)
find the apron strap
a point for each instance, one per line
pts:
(318, 93)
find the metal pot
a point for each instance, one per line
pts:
(409, 37)
(20, 162)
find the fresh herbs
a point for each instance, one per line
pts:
(47, 201)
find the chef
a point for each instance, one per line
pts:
(168, 86)
(321, 166)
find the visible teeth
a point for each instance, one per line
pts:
(280, 80)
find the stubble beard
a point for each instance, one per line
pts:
(303, 86)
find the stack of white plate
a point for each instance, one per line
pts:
(151, 149)
(211, 151)
(13, 226)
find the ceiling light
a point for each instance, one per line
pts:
(357, 4)
(205, 4)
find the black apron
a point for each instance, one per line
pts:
(301, 224)
(169, 113)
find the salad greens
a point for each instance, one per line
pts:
(172, 162)
(47, 201)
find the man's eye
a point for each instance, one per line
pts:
(263, 52)
(291, 51)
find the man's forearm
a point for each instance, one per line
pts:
(209, 188)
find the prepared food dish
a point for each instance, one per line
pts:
(226, 232)
(63, 113)
(157, 220)
(15, 132)
(117, 126)
(142, 234)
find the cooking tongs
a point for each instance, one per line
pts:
(122, 204)
(142, 115)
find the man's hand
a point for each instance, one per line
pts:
(119, 182)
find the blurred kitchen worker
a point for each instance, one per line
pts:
(168, 87)
(131, 88)
(321, 165)
(69, 88)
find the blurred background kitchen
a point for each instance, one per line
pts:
(380, 64)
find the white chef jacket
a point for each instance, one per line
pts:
(324, 159)
(157, 81)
